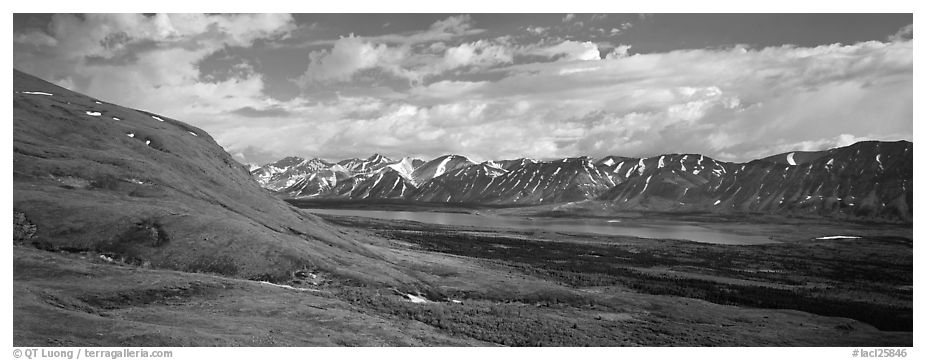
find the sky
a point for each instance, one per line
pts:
(735, 87)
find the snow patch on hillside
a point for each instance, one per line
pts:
(285, 286)
(416, 299)
(836, 237)
(791, 159)
(36, 93)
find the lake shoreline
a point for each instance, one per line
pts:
(598, 226)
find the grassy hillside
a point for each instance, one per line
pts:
(150, 190)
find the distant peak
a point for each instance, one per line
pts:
(377, 158)
(317, 161)
(453, 156)
(289, 160)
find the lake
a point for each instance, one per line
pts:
(677, 231)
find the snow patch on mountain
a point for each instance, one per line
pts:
(442, 166)
(647, 184)
(405, 168)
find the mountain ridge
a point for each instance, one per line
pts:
(674, 182)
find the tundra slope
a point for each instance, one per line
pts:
(148, 189)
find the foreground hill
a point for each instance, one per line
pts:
(148, 189)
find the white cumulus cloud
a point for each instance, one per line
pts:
(571, 50)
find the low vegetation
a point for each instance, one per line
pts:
(864, 279)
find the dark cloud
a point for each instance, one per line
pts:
(118, 60)
(261, 113)
(122, 51)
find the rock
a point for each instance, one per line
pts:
(23, 229)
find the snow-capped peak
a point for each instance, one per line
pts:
(376, 158)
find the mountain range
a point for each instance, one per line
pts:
(869, 179)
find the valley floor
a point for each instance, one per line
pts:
(489, 288)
